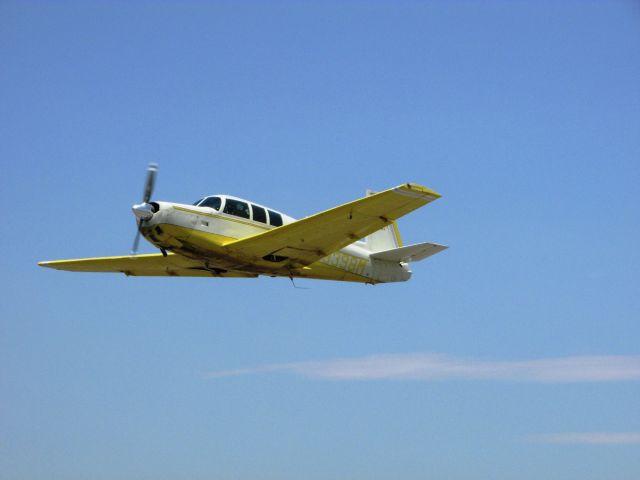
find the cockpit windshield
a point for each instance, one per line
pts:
(195, 204)
(211, 202)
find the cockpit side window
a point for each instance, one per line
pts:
(275, 219)
(237, 208)
(259, 215)
(212, 202)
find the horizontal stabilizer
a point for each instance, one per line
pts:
(410, 253)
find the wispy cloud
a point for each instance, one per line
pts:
(590, 438)
(432, 367)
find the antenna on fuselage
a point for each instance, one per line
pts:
(294, 284)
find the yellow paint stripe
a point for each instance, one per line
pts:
(251, 224)
(174, 230)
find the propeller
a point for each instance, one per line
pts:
(144, 211)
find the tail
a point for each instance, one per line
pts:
(386, 244)
(384, 239)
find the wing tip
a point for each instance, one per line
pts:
(417, 190)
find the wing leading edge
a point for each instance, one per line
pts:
(152, 265)
(307, 240)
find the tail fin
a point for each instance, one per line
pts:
(386, 238)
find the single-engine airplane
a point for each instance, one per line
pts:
(225, 236)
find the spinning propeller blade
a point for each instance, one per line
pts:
(152, 171)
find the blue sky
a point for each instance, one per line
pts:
(515, 353)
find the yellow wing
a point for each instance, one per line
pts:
(312, 238)
(153, 265)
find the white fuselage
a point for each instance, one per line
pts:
(202, 231)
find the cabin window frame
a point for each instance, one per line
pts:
(277, 216)
(229, 201)
(259, 208)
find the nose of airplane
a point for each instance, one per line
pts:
(144, 210)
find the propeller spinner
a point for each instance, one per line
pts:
(144, 211)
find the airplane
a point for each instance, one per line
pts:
(224, 236)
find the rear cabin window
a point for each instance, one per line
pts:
(237, 208)
(213, 202)
(259, 215)
(275, 219)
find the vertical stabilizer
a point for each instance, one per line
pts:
(385, 238)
